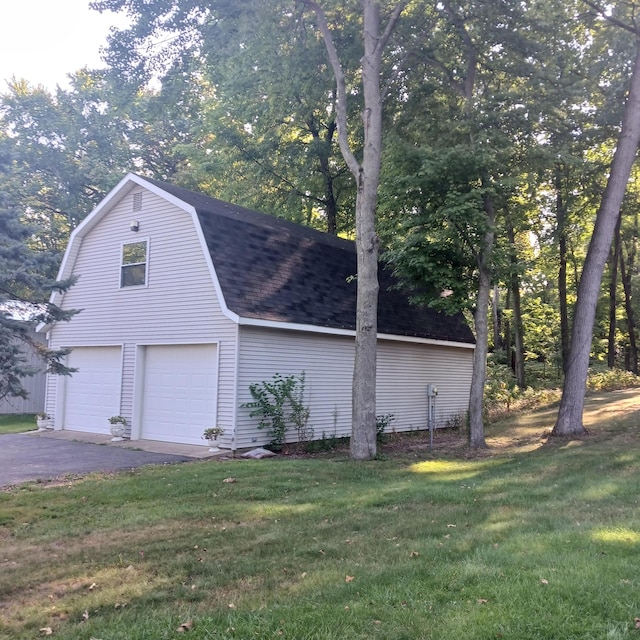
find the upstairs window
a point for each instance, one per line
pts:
(133, 269)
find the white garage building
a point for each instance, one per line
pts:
(187, 300)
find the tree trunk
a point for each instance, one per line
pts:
(625, 276)
(476, 396)
(495, 317)
(506, 329)
(324, 160)
(514, 285)
(561, 215)
(613, 287)
(367, 176)
(569, 421)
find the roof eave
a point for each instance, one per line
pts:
(337, 331)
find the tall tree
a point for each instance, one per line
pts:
(614, 260)
(24, 296)
(367, 176)
(627, 269)
(266, 133)
(460, 157)
(201, 28)
(514, 286)
(569, 420)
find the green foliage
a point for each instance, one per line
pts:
(266, 136)
(25, 290)
(542, 327)
(611, 379)
(432, 244)
(500, 385)
(280, 405)
(502, 396)
(212, 433)
(383, 424)
(327, 443)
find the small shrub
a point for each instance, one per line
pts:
(502, 396)
(279, 404)
(457, 422)
(326, 443)
(382, 425)
(612, 379)
(213, 433)
(299, 412)
(500, 386)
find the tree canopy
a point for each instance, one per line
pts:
(499, 123)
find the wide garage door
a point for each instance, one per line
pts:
(92, 393)
(179, 397)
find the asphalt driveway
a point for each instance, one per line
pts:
(25, 458)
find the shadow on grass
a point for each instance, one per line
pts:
(531, 539)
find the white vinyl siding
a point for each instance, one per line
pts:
(178, 305)
(34, 385)
(128, 382)
(328, 365)
(404, 371)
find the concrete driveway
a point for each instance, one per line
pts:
(32, 456)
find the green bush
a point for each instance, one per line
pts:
(500, 386)
(611, 379)
(502, 395)
(279, 404)
(383, 422)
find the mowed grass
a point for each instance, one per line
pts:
(17, 423)
(534, 539)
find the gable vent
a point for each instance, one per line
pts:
(137, 201)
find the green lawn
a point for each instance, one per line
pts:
(530, 540)
(17, 423)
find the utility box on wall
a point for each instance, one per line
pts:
(432, 392)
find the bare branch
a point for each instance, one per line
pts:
(614, 21)
(472, 54)
(393, 21)
(341, 88)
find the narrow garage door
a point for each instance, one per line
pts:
(179, 397)
(92, 393)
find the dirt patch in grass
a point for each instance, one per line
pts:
(52, 580)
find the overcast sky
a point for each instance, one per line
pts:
(44, 40)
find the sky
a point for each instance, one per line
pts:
(44, 40)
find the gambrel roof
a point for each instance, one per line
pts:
(273, 270)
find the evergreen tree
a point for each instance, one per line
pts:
(24, 297)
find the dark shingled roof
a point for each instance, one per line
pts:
(273, 269)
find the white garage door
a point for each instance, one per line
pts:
(179, 397)
(92, 393)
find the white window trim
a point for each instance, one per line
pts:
(146, 265)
